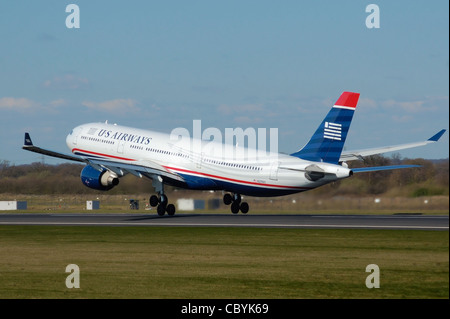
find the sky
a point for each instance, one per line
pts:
(160, 65)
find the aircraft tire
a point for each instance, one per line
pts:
(170, 209)
(235, 208)
(244, 207)
(154, 201)
(227, 199)
(161, 210)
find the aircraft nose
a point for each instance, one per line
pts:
(71, 139)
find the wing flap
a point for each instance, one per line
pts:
(138, 168)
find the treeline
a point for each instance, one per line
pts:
(38, 178)
(432, 178)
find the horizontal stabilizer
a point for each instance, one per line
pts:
(381, 168)
(360, 154)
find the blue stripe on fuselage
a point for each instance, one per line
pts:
(204, 183)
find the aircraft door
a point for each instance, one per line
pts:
(274, 171)
(120, 147)
(75, 134)
(199, 162)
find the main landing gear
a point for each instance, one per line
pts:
(161, 202)
(236, 204)
(162, 205)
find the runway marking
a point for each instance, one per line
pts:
(381, 217)
(227, 225)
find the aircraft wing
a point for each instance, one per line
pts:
(138, 168)
(360, 154)
(28, 146)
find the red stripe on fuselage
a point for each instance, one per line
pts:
(193, 172)
(101, 154)
(232, 179)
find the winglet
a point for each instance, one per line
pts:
(437, 136)
(27, 141)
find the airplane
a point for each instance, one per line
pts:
(111, 151)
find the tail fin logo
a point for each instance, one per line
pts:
(332, 131)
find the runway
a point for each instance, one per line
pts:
(399, 221)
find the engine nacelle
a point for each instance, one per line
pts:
(104, 180)
(315, 172)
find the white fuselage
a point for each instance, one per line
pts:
(202, 164)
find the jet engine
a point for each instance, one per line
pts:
(314, 172)
(100, 180)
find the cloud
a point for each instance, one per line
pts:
(67, 82)
(238, 109)
(409, 106)
(13, 103)
(244, 114)
(402, 118)
(427, 104)
(117, 105)
(46, 37)
(367, 103)
(22, 104)
(247, 120)
(59, 102)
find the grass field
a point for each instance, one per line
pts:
(291, 204)
(156, 262)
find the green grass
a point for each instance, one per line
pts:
(172, 262)
(302, 203)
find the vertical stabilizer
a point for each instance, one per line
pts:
(328, 141)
